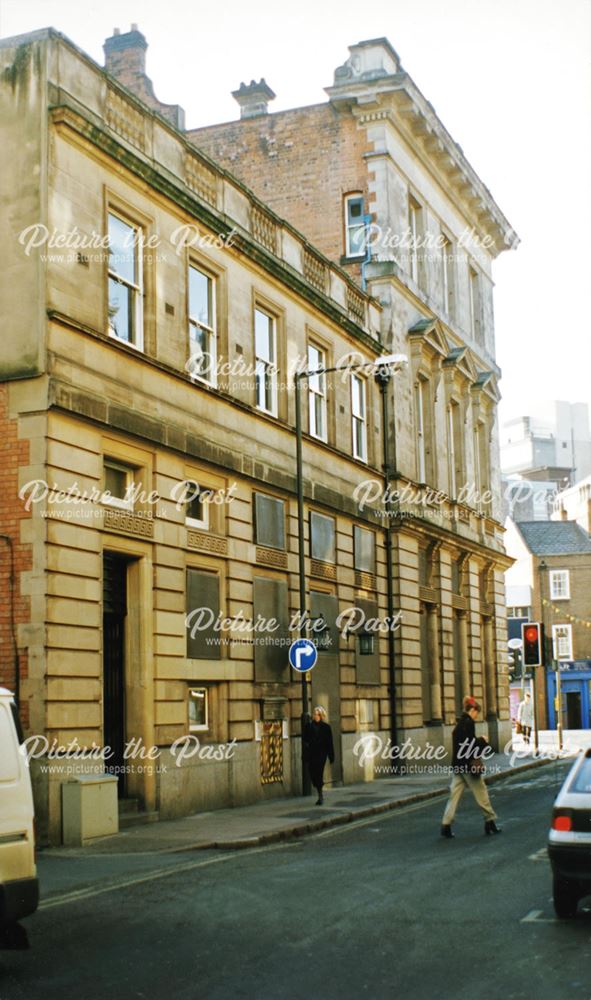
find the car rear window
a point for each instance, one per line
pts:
(8, 749)
(582, 778)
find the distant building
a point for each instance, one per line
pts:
(552, 443)
(550, 582)
(574, 504)
(528, 499)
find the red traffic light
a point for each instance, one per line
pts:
(531, 637)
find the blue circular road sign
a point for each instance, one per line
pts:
(303, 655)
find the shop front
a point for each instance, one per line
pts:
(575, 684)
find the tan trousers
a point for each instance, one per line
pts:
(479, 790)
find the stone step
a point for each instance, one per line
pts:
(128, 806)
(128, 819)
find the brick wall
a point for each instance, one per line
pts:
(301, 162)
(125, 59)
(14, 608)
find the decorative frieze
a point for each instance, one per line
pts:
(315, 270)
(126, 523)
(126, 120)
(324, 570)
(202, 541)
(201, 179)
(459, 603)
(264, 228)
(365, 581)
(355, 306)
(428, 595)
(271, 557)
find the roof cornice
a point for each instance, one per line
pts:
(397, 98)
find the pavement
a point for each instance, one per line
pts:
(282, 818)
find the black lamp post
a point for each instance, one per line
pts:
(382, 377)
(383, 367)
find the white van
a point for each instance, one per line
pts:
(19, 888)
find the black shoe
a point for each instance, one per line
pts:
(446, 832)
(491, 827)
(320, 800)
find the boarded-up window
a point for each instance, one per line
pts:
(269, 521)
(271, 644)
(204, 642)
(322, 537)
(365, 549)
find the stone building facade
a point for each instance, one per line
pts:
(375, 180)
(144, 485)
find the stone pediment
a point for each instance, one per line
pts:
(459, 361)
(487, 382)
(428, 333)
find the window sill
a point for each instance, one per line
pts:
(127, 343)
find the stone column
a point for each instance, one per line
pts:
(434, 663)
(464, 655)
(489, 669)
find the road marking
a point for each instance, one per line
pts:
(535, 917)
(541, 855)
(90, 892)
(389, 814)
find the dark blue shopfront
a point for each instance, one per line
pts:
(575, 683)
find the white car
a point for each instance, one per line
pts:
(569, 841)
(19, 888)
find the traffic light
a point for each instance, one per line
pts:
(531, 635)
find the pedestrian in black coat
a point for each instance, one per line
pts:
(319, 748)
(468, 770)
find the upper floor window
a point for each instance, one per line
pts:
(317, 393)
(118, 479)
(354, 226)
(475, 306)
(454, 448)
(559, 585)
(447, 274)
(269, 521)
(517, 612)
(125, 282)
(562, 641)
(415, 222)
(420, 430)
(265, 334)
(358, 418)
(322, 537)
(196, 507)
(198, 709)
(202, 333)
(364, 549)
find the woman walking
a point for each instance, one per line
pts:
(525, 716)
(319, 749)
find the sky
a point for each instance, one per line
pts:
(510, 79)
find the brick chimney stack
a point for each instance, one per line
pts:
(253, 98)
(125, 60)
(125, 56)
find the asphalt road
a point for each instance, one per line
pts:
(384, 908)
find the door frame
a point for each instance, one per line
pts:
(139, 659)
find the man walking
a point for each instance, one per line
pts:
(468, 769)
